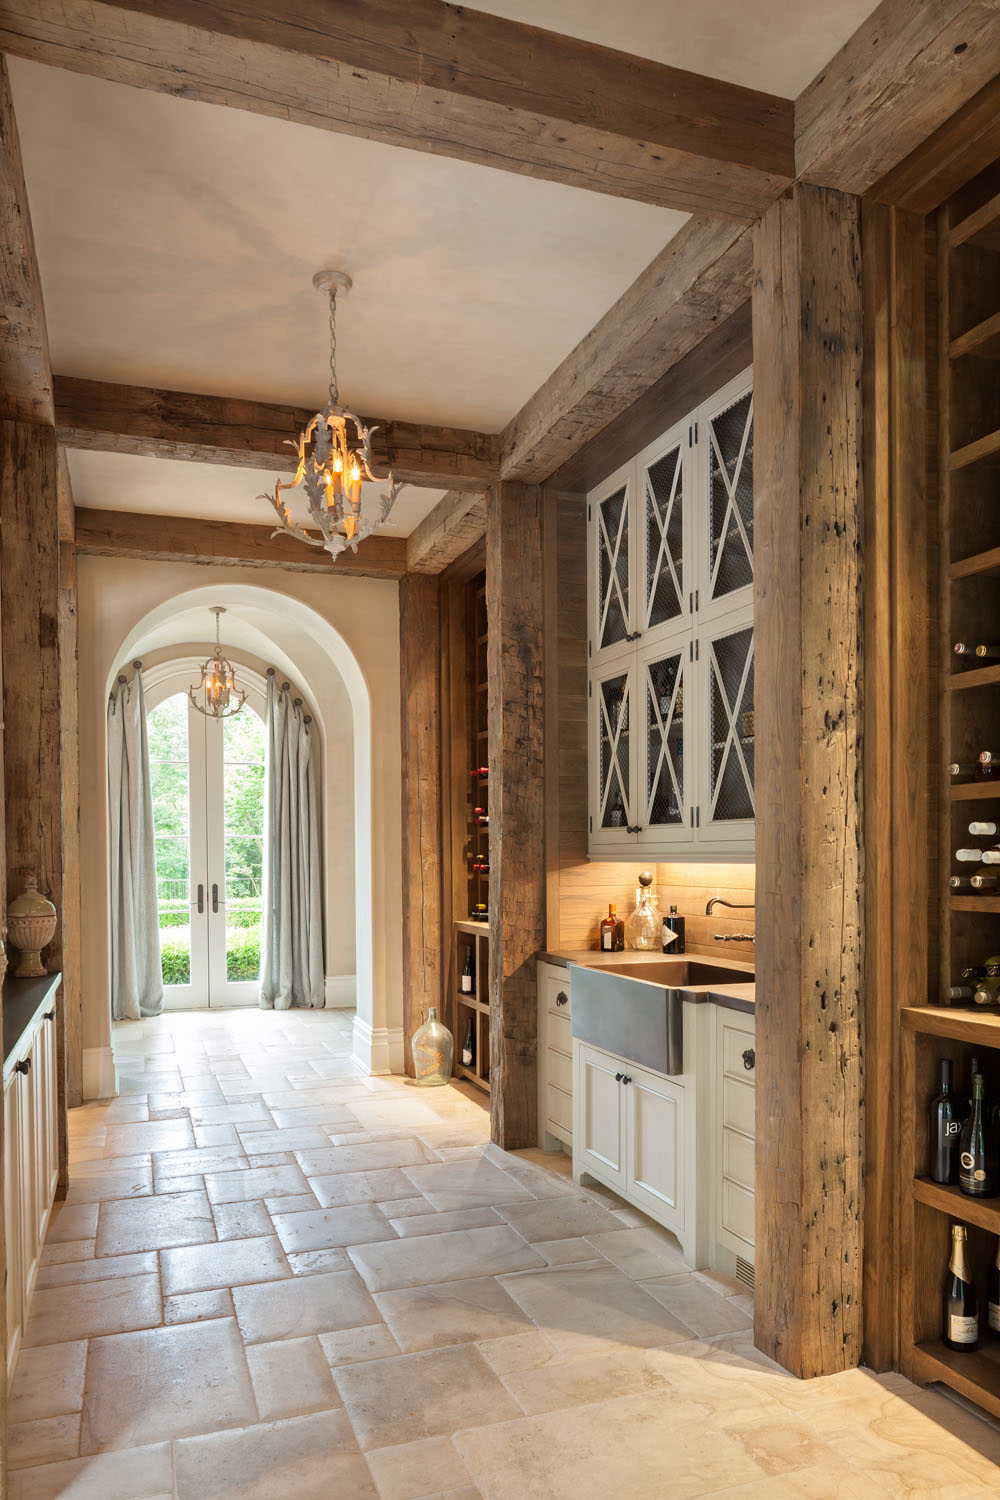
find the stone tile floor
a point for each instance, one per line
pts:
(274, 1279)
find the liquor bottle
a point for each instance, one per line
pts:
(469, 1045)
(608, 930)
(616, 817)
(983, 830)
(993, 1296)
(468, 972)
(675, 924)
(619, 934)
(946, 1120)
(961, 1305)
(977, 1172)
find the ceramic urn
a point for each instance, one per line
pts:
(31, 924)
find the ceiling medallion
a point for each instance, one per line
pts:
(333, 462)
(218, 681)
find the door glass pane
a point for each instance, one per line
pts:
(243, 838)
(665, 741)
(612, 568)
(664, 539)
(167, 728)
(613, 739)
(732, 726)
(730, 459)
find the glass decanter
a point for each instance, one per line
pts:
(642, 929)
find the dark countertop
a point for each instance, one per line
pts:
(23, 999)
(730, 996)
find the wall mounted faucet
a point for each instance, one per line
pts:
(735, 905)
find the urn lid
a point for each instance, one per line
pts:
(31, 902)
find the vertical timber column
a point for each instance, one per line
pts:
(807, 322)
(69, 756)
(420, 671)
(29, 581)
(515, 674)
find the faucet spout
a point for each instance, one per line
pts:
(735, 905)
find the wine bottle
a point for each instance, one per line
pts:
(481, 816)
(964, 648)
(977, 1173)
(608, 930)
(946, 1120)
(481, 867)
(974, 971)
(961, 1305)
(993, 1296)
(468, 972)
(480, 773)
(957, 994)
(469, 1045)
(989, 856)
(959, 771)
(984, 882)
(983, 830)
(619, 934)
(480, 911)
(989, 757)
(987, 992)
(988, 653)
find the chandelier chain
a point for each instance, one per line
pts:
(334, 391)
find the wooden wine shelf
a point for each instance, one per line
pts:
(983, 340)
(985, 450)
(978, 565)
(958, 1205)
(975, 791)
(975, 903)
(981, 228)
(975, 1376)
(977, 677)
(959, 1025)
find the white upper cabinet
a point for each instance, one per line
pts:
(670, 649)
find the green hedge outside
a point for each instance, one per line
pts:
(242, 955)
(175, 959)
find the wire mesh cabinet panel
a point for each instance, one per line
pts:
(668, 757)
(726, 798)
(725, 493)
(664, 481)
(613, 608)
(613, 757)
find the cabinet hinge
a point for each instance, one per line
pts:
(690, 604)
(590, 648)
(590, 689)
(690, 438)
(589, 513)
(690, 650)
(697, 817)
(696, 432)
(696, 594)
(591, 825)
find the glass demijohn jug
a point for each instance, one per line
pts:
(642, 929)
(433, 1049)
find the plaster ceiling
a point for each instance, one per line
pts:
(209, 492)
(778, 46)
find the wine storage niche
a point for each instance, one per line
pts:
(472, 1010)
(968, 381)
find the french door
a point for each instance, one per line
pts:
(208, 819)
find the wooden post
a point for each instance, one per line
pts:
(69, 755)
(515, 668)
(29, 582)
(420, 663)
(807, 380)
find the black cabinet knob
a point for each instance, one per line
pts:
(24, 1066)
(619, 1077)
(562, 998)
(626, 1078)
(50, 1015)
(749, 1058)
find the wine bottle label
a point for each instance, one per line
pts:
(962, 1330)
(466, 982)
(994, 1316)
(951, 1127)
(467, 1056)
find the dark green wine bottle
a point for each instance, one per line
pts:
(977, 1170)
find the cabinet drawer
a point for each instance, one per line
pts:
(737, 1211)
(737, 1158)
(556, 985)
(560, 1035)
(738, 1105)
(560, 1109)
(735, 1041)
(559, 1070)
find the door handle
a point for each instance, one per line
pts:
(201, 899)
(215, 898)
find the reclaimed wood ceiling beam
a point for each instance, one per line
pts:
(25, 372)
(443, 79)
(698, 281)
(456, 522)
(253, 434)
(117, 533)
(906, 70)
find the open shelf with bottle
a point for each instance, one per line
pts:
(472, 1010)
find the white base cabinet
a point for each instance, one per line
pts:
(733, 1108)
(555, 1058)
(31, 1166)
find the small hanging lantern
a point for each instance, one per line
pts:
(218, 681)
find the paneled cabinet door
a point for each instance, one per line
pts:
(613, 756)
(654, 1130)
(46, 1114)
(726, 800)
(663, 544)
(725, 492)
(598, 1117)
(12, 1223)
(667, 781)
(612, 589)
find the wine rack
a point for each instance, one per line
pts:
(968, 383)
(472, 1006)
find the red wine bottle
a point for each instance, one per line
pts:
(961, 1305)
(946, 1120)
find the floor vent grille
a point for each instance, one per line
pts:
(744, 1272)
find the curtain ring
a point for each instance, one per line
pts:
(270, 671)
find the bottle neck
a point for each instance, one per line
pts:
(946, 1075)
(958, 1265)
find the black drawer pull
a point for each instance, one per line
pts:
(24, 1066)
(50, 1015)
(749, 1058)
(626, 1078)
(619, 1077)
(562, 998)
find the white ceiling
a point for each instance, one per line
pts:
(778, 46)
(209, 492)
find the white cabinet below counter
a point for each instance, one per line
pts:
(555, 1058)
(735, 1100)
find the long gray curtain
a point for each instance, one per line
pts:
(136, 977)
(291, 965)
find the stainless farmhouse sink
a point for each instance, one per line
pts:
(636, 1011)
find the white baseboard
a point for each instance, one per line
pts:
(377, 1050)
(100, 1076)
(341, 991)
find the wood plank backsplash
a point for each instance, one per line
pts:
(586, 888)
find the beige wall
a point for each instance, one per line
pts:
(341, 637)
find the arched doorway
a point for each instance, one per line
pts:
(207, 779)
